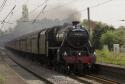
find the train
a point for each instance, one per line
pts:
(65, 47)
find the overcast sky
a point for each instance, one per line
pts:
(107, 11)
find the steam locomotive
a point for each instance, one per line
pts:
(65, 48)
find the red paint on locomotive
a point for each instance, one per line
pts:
(79, 59)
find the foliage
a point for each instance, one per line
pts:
(113, 37)
(98, 28)
(1, 33)
(120, 32)
(105, 34)
(109, 38)
(103, 52)
(110, 57)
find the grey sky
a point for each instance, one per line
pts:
(110, 13)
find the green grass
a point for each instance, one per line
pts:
(2, 80)
(105, 56)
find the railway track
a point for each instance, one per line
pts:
(24, 71)
(85, 79)
(93, 79)
(50, 77)
(112, 71)
(41, 78)
(100, 79)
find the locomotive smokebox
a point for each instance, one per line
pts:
(75, 23)
(77, 38)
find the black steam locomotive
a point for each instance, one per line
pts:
(65, 48)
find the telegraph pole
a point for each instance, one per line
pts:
(88, 12)
(89, 24)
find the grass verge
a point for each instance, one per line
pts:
(2, 80)
(105, 56)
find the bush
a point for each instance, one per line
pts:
(103, 52)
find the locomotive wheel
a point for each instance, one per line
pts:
(95, 69)
(60, 68)
(67, 69)
(78, 69)
(57, 67)
(63, 69)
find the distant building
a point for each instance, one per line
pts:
(122, 48)
(116, 48)
(25, 13)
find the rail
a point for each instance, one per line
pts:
(112, 71)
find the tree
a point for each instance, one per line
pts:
(98, 28)
(2, 33)
(109, 38)
(120, 32)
